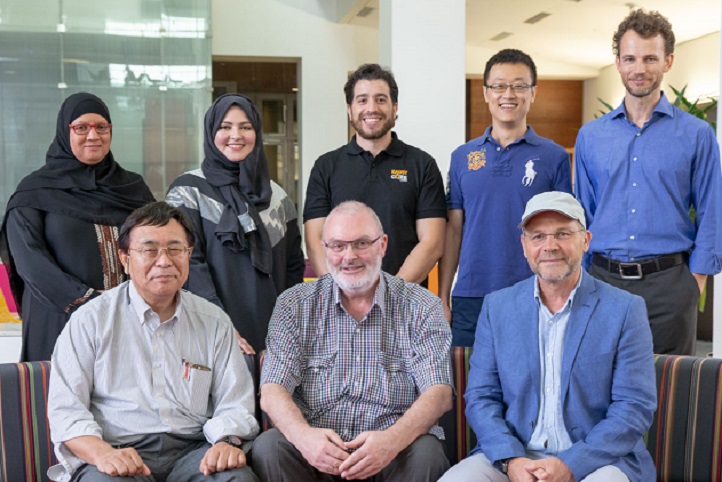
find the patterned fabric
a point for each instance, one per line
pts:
(356, 376)
(684, 439)
(25, 448)
(108, 246)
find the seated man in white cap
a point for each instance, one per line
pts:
(562, 385)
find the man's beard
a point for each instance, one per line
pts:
(642, 91)
(386, 125)
(362, 283)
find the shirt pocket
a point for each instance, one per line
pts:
(397, 389)
(200, 388)
(318, 388)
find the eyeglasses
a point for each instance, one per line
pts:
(357, 245)
(540, 238)
(516, 88)
(83, 129)
(151, 254)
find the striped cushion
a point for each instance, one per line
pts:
(460, 439)
(25, 448)
(684, 439)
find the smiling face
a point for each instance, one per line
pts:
(355, 271)
(510, 107)
(157, 281)
(236, 136)
(641, 63)
(554, 261)
(92, 147)
(372, 113)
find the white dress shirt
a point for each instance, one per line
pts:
(118, 373)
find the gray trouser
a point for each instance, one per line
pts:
(171, 459)
(477, 468)
(671, 297)
(275, 459)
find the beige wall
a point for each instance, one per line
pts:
(696, 64)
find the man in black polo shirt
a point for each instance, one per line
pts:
(401, 183)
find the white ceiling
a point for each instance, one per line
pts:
(575, 40)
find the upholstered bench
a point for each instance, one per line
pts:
(684, 439)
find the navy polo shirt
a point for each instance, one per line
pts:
(401, 184)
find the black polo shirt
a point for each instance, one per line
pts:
(401, 184)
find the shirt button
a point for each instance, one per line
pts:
(549, 426)
(639, 134)
(631, 237)
(634, 184)
(634, 211)
(549, 355)
(551, 322)
(634, 158)
(498, 149)
(548, 390)
(358, 358)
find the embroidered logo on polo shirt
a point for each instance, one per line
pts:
(399, 174)
(529, 173)
(476, 160)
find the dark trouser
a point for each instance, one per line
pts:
(169, 458)
(464, 315)
(671, 297)
(275, 459)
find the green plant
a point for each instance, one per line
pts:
(683, 103)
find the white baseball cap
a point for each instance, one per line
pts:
(560, 202)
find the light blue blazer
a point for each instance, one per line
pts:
(608, 381)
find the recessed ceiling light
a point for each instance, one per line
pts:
(501, 36)
(536, 18)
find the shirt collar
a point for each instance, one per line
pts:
(570, 300)
(530, 137)
(379, 294)
(143, 310)
(396, 148)
(663, 108)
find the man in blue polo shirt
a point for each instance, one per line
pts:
(491, 178)
(640, 169)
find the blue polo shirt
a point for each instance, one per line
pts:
(492, 184)
(637, 186)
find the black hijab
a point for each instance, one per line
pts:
(104, 193)
(245, 185)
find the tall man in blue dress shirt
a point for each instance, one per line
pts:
(639, 170)
(148, 383)
(561, 386)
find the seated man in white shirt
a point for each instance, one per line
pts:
(148, 383)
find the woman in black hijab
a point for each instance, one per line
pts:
(60, 230)
(248, 243)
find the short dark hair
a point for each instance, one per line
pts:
(153, 214)
(510, 56)
(371, 72)
(646, 25)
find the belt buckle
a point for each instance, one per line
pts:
(624, 274)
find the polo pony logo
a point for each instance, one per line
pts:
(529, 173)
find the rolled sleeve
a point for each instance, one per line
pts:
(431, 364)
(282, 362)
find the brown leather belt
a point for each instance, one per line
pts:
(638, 270)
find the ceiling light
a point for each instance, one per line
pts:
(501, 36)
(365, 12)
(536, 18)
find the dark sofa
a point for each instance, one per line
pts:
(685, 439)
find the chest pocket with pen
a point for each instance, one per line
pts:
(199, 379)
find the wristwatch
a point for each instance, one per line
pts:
(234, 440)
(502, 465)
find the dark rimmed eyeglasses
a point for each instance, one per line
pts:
(502, 88)
(357, 245)
(83, 129)
(151, 254)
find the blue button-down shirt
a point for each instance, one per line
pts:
(637, 186)
(550, 434)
